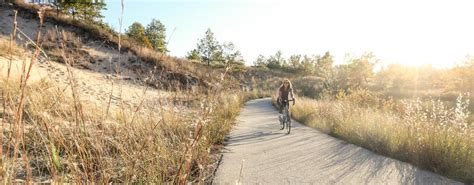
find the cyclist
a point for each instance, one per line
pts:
(284, 91)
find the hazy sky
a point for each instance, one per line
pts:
(440, 33)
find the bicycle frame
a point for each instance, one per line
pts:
(286, 116)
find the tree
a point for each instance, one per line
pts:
(87, 10)
(193, 55)
(69, 6)
(136, 31)
(307, 65)
(357, 72)
(93, 10)
(156, 33)
(295, 62)
(324, 65)
(230, 54)
(209, 49)
(276, 61)
(261, 61)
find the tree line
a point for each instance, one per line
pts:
(358, 72)
(320, 77)
(85, 10)
(396, 77)
(297, 64)
(153, 36)
(209, 51)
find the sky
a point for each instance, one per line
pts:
(440, 33)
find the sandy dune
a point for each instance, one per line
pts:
(94, 83)
(92, 86)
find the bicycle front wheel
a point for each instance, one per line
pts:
(289, 126)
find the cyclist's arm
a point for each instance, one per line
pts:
(278, 93)
(291, 94)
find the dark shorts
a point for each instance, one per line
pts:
(281, 105)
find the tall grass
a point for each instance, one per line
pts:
(149, 149)
(5, 49)
(71, 140)
(428, 134)
(51, 135)
(67, 143)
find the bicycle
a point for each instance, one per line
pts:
(285, 120)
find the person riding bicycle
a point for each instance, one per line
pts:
(284, 91)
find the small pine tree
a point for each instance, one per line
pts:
(87, 10)
(324, 65)
(261, 61)
(156, 33)
(231, 55)
(209, 48)
(277, 61)
(193, 55)
(136, 31)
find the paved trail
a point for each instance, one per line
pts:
(257, 152)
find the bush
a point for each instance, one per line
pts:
(361, 97)
(309, 86)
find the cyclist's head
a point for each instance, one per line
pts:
(287, 84)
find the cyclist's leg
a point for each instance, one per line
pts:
(289, 114)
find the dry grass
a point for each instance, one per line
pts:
(5, 49)
(112, 150)
(51, 135)
(72, 48)
(209, 76)
(64, 139)
(427, 134)
(67, 148)
(200, 74)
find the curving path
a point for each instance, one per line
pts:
(257, 152)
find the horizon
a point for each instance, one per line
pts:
(421, 35)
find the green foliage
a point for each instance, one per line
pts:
(230, 54)
(298, 64)
(295, 61)
(153, 36)
(209, 48)
(323, 66)
(55, 158)
(210, 51)
(156, 33)
(136, 31)
(260, 61)
(87, 10)
(357, 73)
(307, 65)
(193, 55)
(309, 86)
(276, 61)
